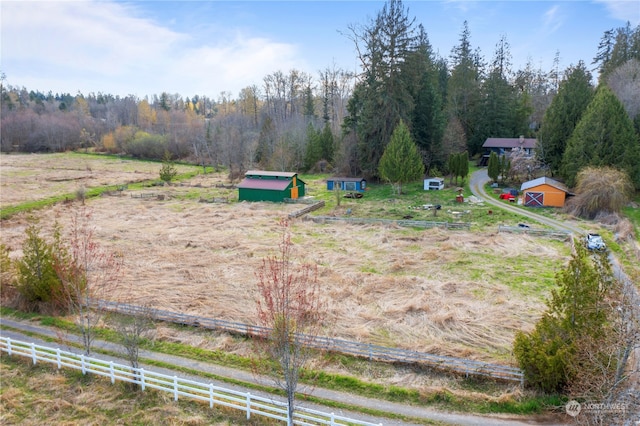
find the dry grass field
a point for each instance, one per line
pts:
(39, 395)
(30, 177)
(455, 293)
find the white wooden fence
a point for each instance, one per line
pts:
(206, 392)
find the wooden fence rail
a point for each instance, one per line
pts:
(179, 387)
(308, 209)
(535, 231)
(363, 350)
(401, 222)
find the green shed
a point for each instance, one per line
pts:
(261, 185)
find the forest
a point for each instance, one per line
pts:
(585, 115)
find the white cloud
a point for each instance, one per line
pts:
(623, 10)
(552, 20)
(59, 44)
(463, 6)
(238, 63)
(92, 36)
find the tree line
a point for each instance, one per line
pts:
(342, 122)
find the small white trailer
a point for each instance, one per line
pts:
(434, 184)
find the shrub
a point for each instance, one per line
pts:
(600, 189)
(37, 281)
(145, 145)
(168, 170)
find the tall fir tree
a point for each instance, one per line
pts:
(499, 114)
(616, 48)
(266, 142)
(313, 151)
(427, 119)
(384, 99)
(463, 88)
(560, 119)
(604, 136)
(327, 143)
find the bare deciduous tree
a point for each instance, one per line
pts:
(289, 306)
(624, 82)
(88, 273)
(132, 331)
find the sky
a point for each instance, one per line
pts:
(144, 48)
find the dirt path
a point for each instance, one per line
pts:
(419, 413)
(480, 178)
(478, 181)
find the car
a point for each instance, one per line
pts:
(507, 196)
(595, 242)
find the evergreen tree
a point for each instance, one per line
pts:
(427, 120)
(534, 93)
(604, 137)
(401, 161)
(574, 94)
(499, 104)
(327, 143)
(384, 99)
(505, 167)
(578, 309)
(463, 89)
(266, 142)
(616, 48)
(168, 170)
(453, 167)
(463, 164)
(37, 280)
(493, 167)
(309, 107)
(165, 101)
(313, 152)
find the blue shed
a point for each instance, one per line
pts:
(347, 184)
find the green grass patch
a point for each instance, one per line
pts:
(441, 398)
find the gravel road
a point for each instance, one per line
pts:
(417, 412)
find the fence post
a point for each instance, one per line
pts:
(370, 352)
(175, 388)
(58, 358)
(332, 419)
(142, 378)
(113, 379)
(248, 405)
(33, 353)
(9, 346)
(84, 370)
(210, 395)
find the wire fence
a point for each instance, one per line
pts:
(369, 351)
(401, 222)
(564, 235)
(179, 387)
